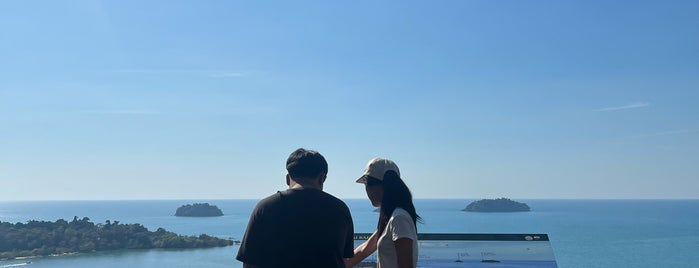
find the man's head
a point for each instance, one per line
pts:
(306, 166)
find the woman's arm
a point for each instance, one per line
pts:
(363, 250)
(404, 252)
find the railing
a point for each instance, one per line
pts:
(478, 250)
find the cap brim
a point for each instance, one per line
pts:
(362, 179)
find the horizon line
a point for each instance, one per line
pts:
(253, 199)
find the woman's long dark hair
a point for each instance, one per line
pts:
(396, 194)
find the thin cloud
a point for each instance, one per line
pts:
(634, 105)
(209, 73)
(151, 71)
(226, 74)
(123, 112)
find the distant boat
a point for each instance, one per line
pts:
(458, 257)
(488, 260)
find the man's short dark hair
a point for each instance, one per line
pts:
(304, 163)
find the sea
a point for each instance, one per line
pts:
(582, 233)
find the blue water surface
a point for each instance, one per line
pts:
(583, 233)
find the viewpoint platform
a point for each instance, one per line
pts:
(478, 250)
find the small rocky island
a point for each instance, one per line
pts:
(198, 210)
(497, 205)
(45, 238)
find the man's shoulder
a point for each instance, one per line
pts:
(337, 201)
(296, 196)
(269, 200)
(319, 196)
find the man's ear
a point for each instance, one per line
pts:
(288, 180)
(323, 177)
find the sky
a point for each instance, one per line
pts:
(120, 100)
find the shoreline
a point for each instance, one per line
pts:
(41, 256)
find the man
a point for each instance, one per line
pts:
(302, 226)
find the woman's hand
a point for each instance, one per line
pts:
(363, 250)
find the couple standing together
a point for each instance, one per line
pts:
(306, 227)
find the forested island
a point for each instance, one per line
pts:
(45, 238)
(198, 210)
(497, 205)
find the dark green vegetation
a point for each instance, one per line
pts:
(43, 238)
(496, 205)
(198, 210)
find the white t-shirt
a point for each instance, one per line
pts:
(400, 225)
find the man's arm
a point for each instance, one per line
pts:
(253, 248)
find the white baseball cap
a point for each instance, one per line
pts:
(377, 167)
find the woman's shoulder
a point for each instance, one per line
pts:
(400, 212)
(401, 225)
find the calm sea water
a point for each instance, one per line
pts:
(583, 233)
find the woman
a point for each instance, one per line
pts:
(396, 234)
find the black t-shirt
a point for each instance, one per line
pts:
(298, 228)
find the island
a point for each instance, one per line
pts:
(46, 238)
(198, 210)
(496, 205)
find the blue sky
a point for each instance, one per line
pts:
(472, 99)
